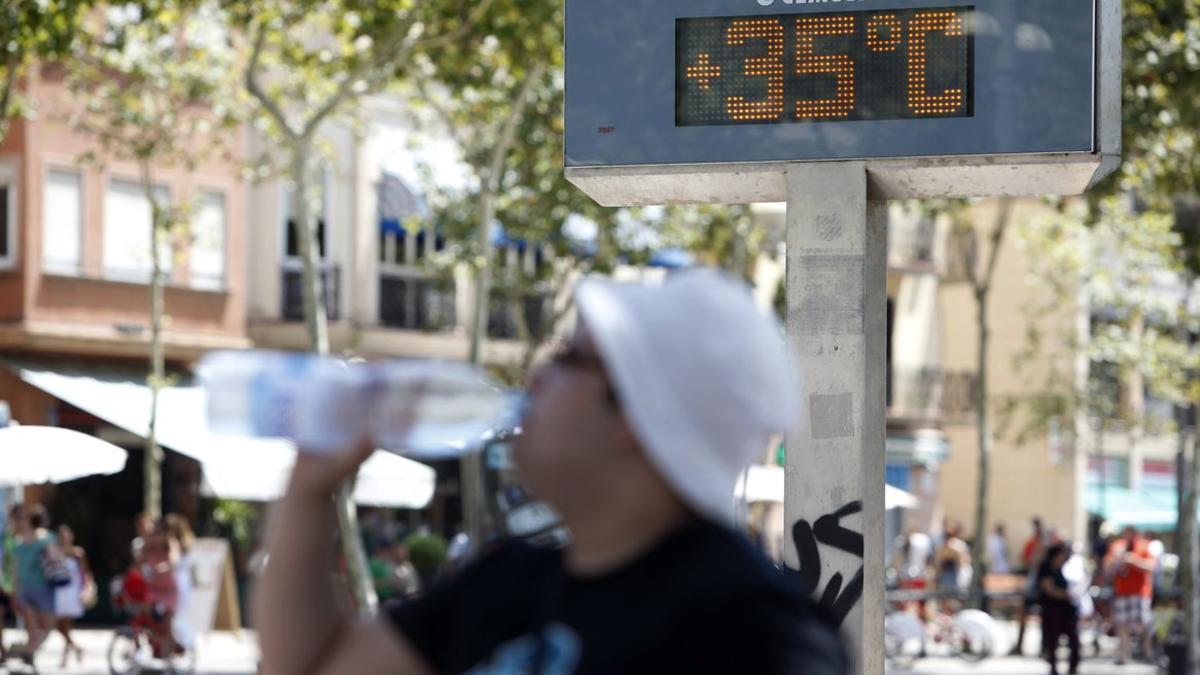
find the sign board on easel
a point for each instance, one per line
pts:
(214, 602)
(837, 106)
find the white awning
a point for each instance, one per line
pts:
(765, 483)
(234, 467)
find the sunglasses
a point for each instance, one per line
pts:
(574, 358)
(571, 357)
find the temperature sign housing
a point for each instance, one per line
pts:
(687, 86)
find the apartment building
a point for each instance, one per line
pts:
(1065, 472)
(74, 301)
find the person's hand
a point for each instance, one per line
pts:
(318, 476)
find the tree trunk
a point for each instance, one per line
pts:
(1188, 554)
(490, 181)
(312, 285)
(1189, 444)
(471, 465)
(317, 324)
(153, 454)
(983, 480)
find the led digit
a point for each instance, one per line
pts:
(884, 33)
(810, 63)
(770, 66)
(920, 102)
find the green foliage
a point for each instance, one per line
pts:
(508, 81)
(313, 59)
(1124, 265)
(29, 30)
(240, 520)
(720, 235)
(1161, 100)
(426, 551)
(499, 93)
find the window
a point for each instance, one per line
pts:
(1112, 471)
(8, 222)
(400, 248)
(410, 295)
(292, 244)
(128, 220)
(62, 222)
(1158, 475)
(208, 242)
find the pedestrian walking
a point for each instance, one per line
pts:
(997, 547)
(951, 563)
(35, 555)
(1060, 616)
(181, 542)
(635, 433)
(1032, 554)
(71, 599)
(8, 593)
(1131, 567)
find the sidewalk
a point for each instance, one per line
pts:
(1027, 664)
(219, 653)
(1019, 665)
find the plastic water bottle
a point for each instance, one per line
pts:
(419, 408)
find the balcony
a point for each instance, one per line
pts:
(912, 239)
(961, 254)
(416, 301)
(537, 308)
(931, 395)
(293, 297)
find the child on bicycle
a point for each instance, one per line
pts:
(149, 591)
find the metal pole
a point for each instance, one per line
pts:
(837, 319)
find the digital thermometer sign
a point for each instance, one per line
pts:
(677, 101)
(866, 65)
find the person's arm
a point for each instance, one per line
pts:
(302, 630)
(1048, 587)
(1144, 563)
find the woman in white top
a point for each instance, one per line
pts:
(182, 541)
(69, 600)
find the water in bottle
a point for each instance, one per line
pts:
(419, 408)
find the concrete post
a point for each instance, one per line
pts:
(837, 318)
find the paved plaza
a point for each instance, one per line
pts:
(219, 653)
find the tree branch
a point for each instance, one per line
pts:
(509, 131)
(995, 241)
(462, 30)
(10, 83)
(255, 87)
(336, 99)
(455, 130)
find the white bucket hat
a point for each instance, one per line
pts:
(703, 375)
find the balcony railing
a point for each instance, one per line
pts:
(931, 394)
(503, 325)
(293, 296)
(911, 243)
(415, 301)
(960, 255)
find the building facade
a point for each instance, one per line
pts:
(74, 299)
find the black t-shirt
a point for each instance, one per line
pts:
(701, 601)
(1058, 580)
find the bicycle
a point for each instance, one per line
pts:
(970, 634)
(140, 644)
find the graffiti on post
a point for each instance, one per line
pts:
(828, 530)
